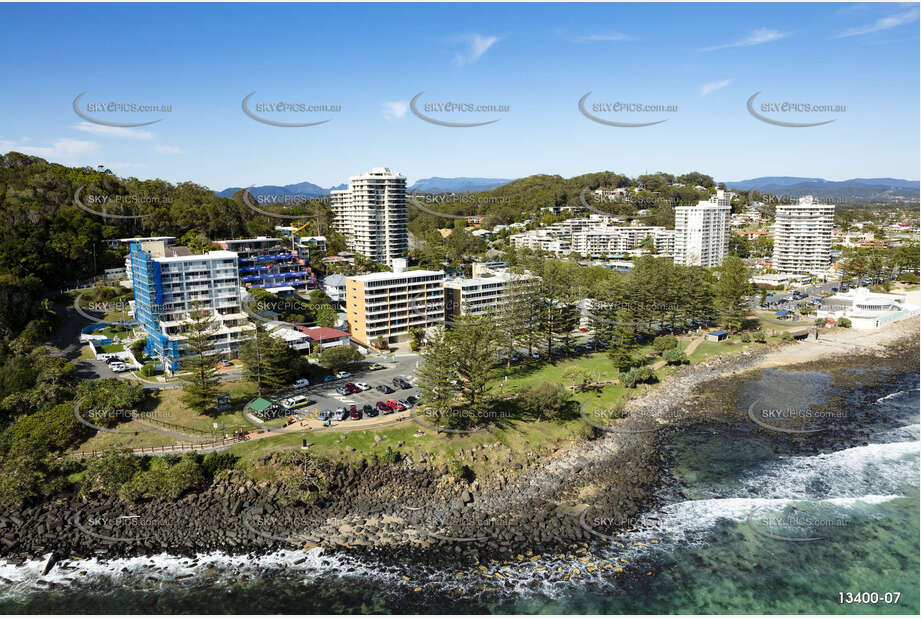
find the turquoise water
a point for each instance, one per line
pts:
(748, 525)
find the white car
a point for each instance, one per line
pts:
(363, 386)
(343, 374)
(118, 367)
(302, 383)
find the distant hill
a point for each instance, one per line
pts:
(425, 185)
(437, 184)
(307, 189)
(855, 189)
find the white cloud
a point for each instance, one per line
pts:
(63, 149)
(477, 45)
(395, 109)
(168, 149)
(758, 37)
(106, 131)
(713, 86)
(883, 23)
(609, 36)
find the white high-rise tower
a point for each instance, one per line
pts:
(702, 232)
(371, 214)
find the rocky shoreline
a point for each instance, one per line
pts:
(400, 511)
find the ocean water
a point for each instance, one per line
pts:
(746, 525)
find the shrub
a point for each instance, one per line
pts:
(165, 481)
(760, 337)
(786, 337)
(461, 472)
(637, 375)
(148, 369)
(665, 342)
(843, 323)
(675, 357)
(746, 338)
(214, 462)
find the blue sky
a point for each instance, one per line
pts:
(538, 59)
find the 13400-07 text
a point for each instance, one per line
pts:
(862, 598)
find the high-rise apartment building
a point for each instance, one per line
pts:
(371, 214)
(702, 232)
(170, 282)
(802, 236)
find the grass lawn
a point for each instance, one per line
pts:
(516, 438)
(110, 348)
(86, 353)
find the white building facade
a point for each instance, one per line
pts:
(802, 236)
(702, 232)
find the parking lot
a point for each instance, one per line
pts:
(325, 397)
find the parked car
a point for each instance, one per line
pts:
(363, 386)
(324, 415)
(412, 399)
(343, 390)
(369, 410)
(355, 414)
(328, 379)
(118, 367)
(343, 374)
(384, 388)
(339, 415)
(395, 405)
(401, 383)
(353, 388)
(226, 363)
(383, 407)
(302, 383)
(375, 367)
(405, 403)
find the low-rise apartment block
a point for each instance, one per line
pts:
(267, 263)
(485, 293)
(388, 304)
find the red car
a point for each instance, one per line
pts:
(383, 407)
(352, 388)
(395, 405)
(355, 414)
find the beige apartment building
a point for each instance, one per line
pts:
(389, 304)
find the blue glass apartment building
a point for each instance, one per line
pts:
(170, 282)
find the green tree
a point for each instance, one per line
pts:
(731, 289)
(326, 316)
(267, 361)
(623, 342)
(200, 383)
(337, 357)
